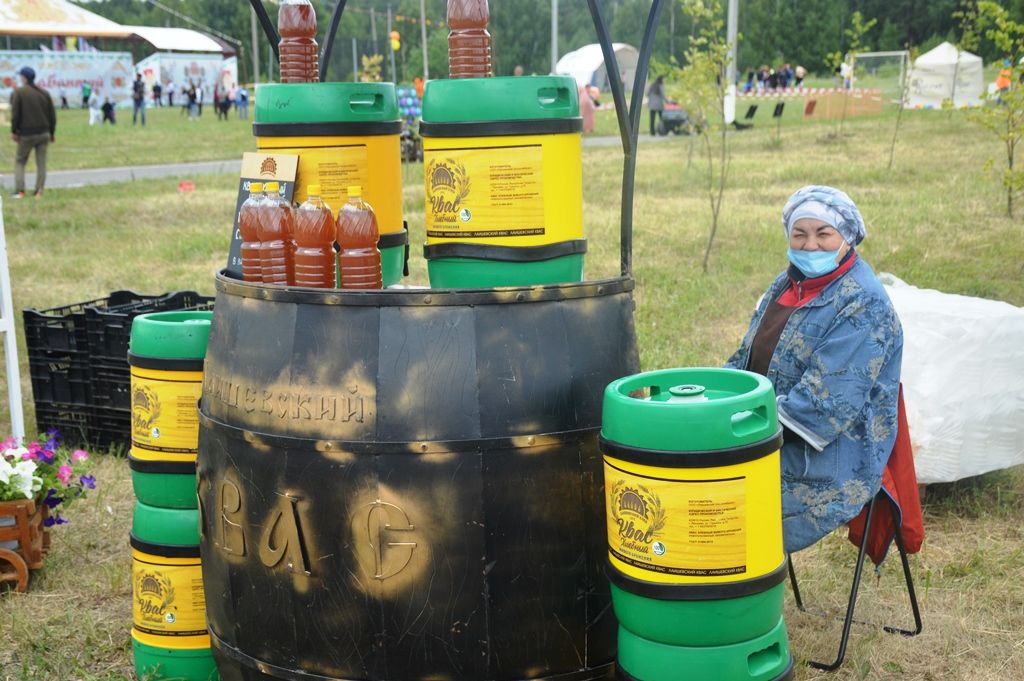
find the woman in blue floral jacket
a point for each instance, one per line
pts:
(827, 337)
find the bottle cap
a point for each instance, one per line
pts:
(313, 190)
(272, 187)
(355, 190)
(255, 187)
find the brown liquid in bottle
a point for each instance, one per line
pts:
(248, 226)
(276, 233)
(469, 43)
(358, 234)
(314, 242)
(296, 22)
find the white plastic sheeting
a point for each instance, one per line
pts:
(963, 380)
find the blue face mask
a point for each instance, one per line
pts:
(814, 263)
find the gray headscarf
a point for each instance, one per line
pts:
(828, 205)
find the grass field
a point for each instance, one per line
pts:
(936, 221)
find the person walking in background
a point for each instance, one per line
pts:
(243, 102)
(199, 98)
(170, 93)
(799, 73)
(108, 112)
(158, 89)
(95, 109)
(586, 109)
(192, 97)
(86, 91)
(656, 100)
(138, 99)
(33, 126)
(63, 100)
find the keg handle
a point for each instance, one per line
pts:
(629, 119)
(273, 38)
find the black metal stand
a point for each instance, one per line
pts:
(848, 621)
(629, 118)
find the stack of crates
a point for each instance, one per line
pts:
(77, 357)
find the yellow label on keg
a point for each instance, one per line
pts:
(694, 528)
(165, 416)
(168, 600)
(336, 169)
(485, 193)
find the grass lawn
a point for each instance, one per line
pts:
(168, 137)
(937, 221)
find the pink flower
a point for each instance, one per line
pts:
(34, 447)
(9, 443)
(79, 455)
(64, 474)
(28, 456)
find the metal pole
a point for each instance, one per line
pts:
(394, 74)
(373, 28)
(423, 37)
(355, 62)
(554, 35)
(255, 46)
(732, 26)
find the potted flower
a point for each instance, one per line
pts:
(38, 481)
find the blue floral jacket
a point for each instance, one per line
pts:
(836, 372)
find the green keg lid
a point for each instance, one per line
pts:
(500, 99)
(326, 103)
(165, 526)
(690, 410)
(171, 335)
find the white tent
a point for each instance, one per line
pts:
(931, 79)
(586, 65)
(177, 39)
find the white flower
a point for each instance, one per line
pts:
(6, 471)
(25, 469)
(28, 485)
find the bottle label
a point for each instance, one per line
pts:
(168, 600)
(165, 417)
(693, 528)
(480, 194)
(335, 169)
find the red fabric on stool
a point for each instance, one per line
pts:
(899, 482)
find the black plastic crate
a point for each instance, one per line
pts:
(110, 428)
(109, 330)
(71, 420)
(111, 386)
(60, 377)
(63, 329)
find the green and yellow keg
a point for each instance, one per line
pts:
(344, 134)
(169, 634)
(694, 512)
(503, 176)
(166, 358)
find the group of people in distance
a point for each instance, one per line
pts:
(766, 78)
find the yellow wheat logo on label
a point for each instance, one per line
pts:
(145, 411)
(640, 517)
(449, 186)
(154, 595)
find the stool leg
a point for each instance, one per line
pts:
(848, 622)
(918, 625)
(796, 587)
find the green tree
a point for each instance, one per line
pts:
(700, 87)
(1005, 116)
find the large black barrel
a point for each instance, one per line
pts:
(406, 485)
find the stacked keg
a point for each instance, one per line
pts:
(169, 633)
(696, 562)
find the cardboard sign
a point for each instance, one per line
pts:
(259, 168)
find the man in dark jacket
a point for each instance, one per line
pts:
(33, 125)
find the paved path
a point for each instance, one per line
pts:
(81, 178)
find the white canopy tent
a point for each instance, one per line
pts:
(586, 65)
(55, 17)
(933, 74)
